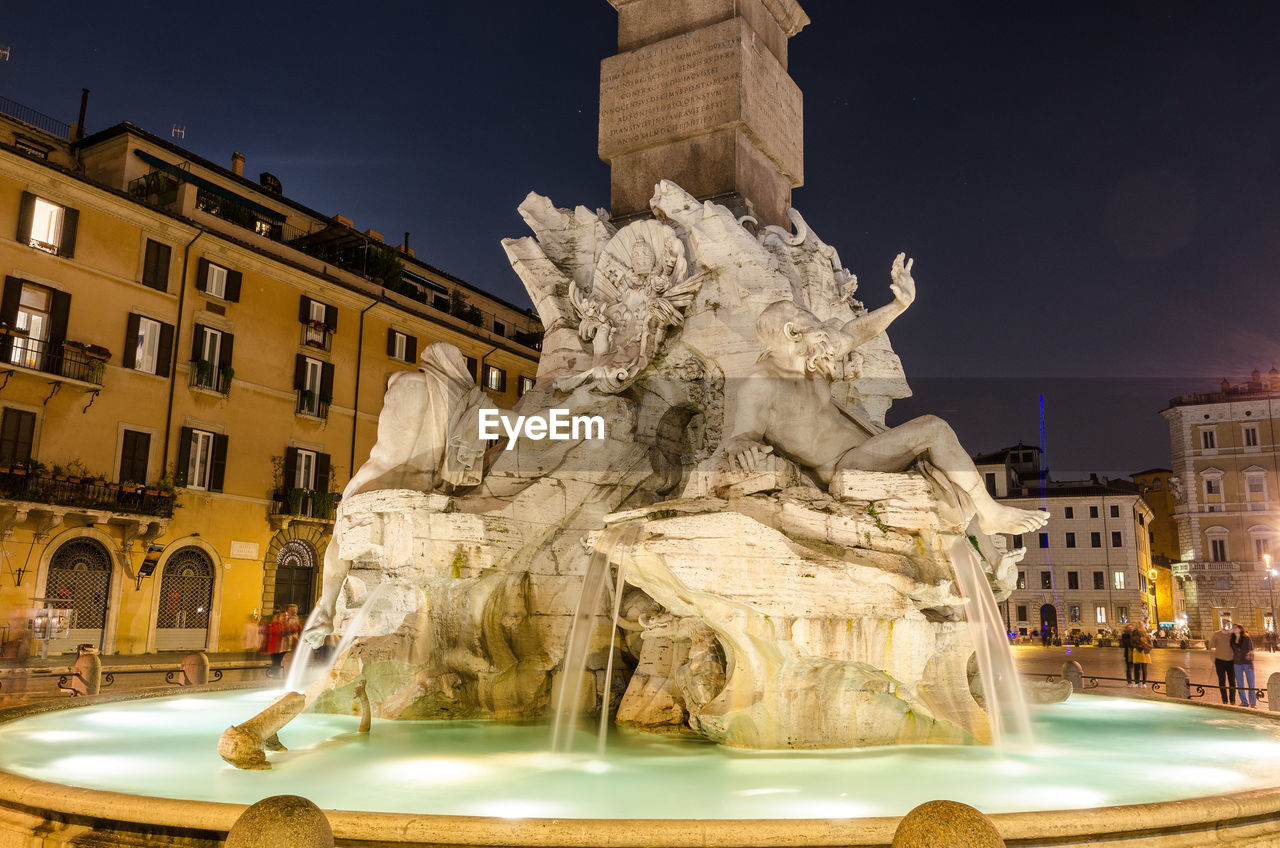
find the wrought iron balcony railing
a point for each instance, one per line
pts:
(310, 403)
(19, 483)
(304, 503)
(206, 375)
(73, 360)
(239, 214)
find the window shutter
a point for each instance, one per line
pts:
(411, 350)
(155, 272)
(184, 457)
(59, 312)
(502, 380)
(331, 317)
(9, 312)
(197, 342)
(300, 372)
(164, 356)
(218, 467)
(25, 215)
(326, 380)
(224, 355)
(391, 343)
(322, 472)
(290, 474)
(472, 364)
(304, 310)
(26, 436)
(233, 286)
(70, 223)
(202, 275)
(131, 340)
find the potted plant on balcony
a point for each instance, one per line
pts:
(307, 399)
(225, 373)
(204, 370)
(6, 330)
(98, 352)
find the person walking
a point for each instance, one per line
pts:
(1242, 658)
(1140, 646)
(1224, 664)
(277, 642)
(1126, 647)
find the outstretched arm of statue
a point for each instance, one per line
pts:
(854, 334)
(746, 450)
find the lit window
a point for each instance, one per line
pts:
(34, 308)
(1075, 614)
(495, 379)
(1022, 579)
(1119, 579)
(1122, 615)
(400, 346)
(148, 352)
(46, 225)
(526, 384)
(216, 283)
(200, 461)
(1046, 580)
(1100, 614)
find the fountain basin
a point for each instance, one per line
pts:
(49, 748)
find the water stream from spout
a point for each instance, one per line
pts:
(1006, 701)
(573, 668)
(301, 671)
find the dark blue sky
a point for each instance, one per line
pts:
(1091, 189)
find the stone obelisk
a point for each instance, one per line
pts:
(699, 93)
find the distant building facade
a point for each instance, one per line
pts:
(1170, 607)
(1089, 569)
(1226, 492)
(191, 366)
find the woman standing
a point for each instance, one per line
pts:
(1140, 647)
(1242, 656)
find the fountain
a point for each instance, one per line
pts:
(807, 591)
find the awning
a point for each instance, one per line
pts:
(186, 176)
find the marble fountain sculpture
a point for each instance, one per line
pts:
(785, 559)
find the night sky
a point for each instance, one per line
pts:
(1091, 190)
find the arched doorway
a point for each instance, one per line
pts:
(79, 579)
(295, 576)
(186, 596)
(1049, 620)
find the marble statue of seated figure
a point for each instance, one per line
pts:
(785, 405)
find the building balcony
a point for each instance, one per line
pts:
(316, 334)
(18, 483)
(206, 375)
(293, 503)
(1203, 567)
(311, 404)
(76, 361)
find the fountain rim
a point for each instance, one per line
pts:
(1255, 807)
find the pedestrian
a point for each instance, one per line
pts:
(1224, 663)
(277, 642)
(1242, 658)
(1140, 648)
(1126, 647)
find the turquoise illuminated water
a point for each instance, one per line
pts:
(1091, 752)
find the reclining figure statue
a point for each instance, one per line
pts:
(785, 405)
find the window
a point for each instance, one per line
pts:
(1142, 582)
(1046, 580)
(1095, 540)
(1022, 613)
(402, 346)
(472, 365)
(1122, 615)
(1017, 540)
(1070, 512)
(1044, 540)
(1261, 547)
(217, 281)
(1250, 434)
(304, 476)
(1212, 486)
(499, 328)
(17, 432)
(1218, 550)
(1099, 580)
(1022, 579)
(495, 379)
(148, 345)
(135, 448)
(313, 381)
(211, 352)
(155, 266)
(1117, 539)
(1071, 540)
(47, 226)
(319, 321)
(525, 385)
(1255, 488)
(1208, 439)
(202, 459)
(305, 473)
(1118, 579)
(1156, 483)
(1075, 613)
(1093, 512)
(1073, 580)
(1115, 511)
(1100, 614)
(31, 149)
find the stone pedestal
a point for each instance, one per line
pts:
(699, 94)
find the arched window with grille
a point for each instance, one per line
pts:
(79, 579)
(186, 593)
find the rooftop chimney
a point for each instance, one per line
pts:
(237, 163)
